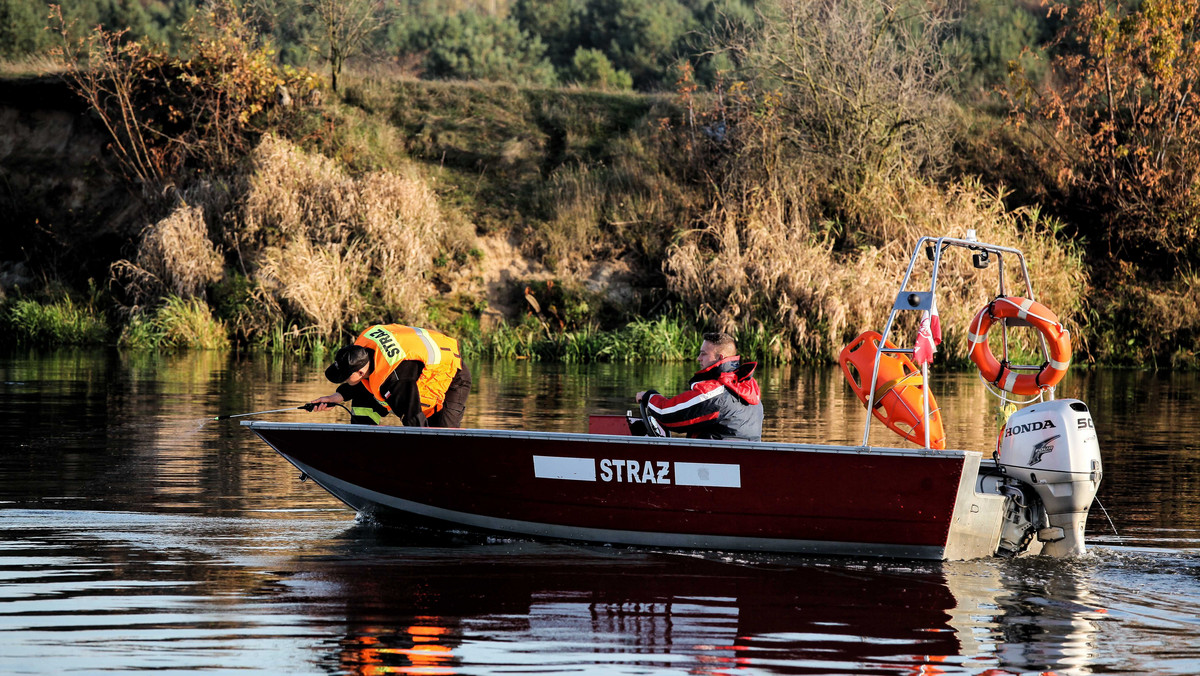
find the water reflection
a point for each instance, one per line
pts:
(437, 610)
(118, 588)
(606, 607)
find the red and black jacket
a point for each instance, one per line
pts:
(723, 402)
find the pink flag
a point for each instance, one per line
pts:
(925, 344)
(935, 325)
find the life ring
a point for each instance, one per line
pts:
(898, 391)
(1041, 318)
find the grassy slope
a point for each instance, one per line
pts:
(566, 175)
(501, 153)
(576, 180)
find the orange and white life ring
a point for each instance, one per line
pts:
(1058, 339)
(899, 388)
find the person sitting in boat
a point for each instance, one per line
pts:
(723, 400)
(415, 373)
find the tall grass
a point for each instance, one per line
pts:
(827, 171)
(317, 282)
(594, 211)
(666, 338)
(32, 65)
(27, 322)
(292, 339)
(1147, 325)
(177, 323)
(752, 265)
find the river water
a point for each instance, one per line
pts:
(134, 535)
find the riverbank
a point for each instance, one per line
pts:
(556, 224)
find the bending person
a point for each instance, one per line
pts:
(417, 374)
(723, 400)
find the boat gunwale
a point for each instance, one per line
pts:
(582, 437)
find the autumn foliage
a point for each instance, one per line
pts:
(1118, 125)
(165, 112)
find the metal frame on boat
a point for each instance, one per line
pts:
(609, 486)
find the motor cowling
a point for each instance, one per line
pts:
(1052, 447)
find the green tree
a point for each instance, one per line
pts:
(722, 23)
(555, 22)
(21, 23)
(294, 32)
(637, 36)
(992, 35)
(344, 27)
(472, 46)
(126, 15)
(591, 68)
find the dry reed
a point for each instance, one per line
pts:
(318, 282)
(333, 250)
(754, 261)
(596, 211)
(294, 195)
(175, 256)
(401, 225)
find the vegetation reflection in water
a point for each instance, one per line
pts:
(143, 537)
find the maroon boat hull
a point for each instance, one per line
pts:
(639, 490)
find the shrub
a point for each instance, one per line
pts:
(854, 89)
(593, 209)
(330, 250)
(163, 112)
(1141, 324)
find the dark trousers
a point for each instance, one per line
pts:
(451, 413)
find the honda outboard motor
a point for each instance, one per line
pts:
(1051, 447)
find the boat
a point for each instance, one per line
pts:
(625, 483)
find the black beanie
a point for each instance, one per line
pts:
(347, 360)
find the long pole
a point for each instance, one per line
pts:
(306, 407)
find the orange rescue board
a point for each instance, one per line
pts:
(898, 391)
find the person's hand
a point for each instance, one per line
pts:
(638, 397)
(326, 402)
